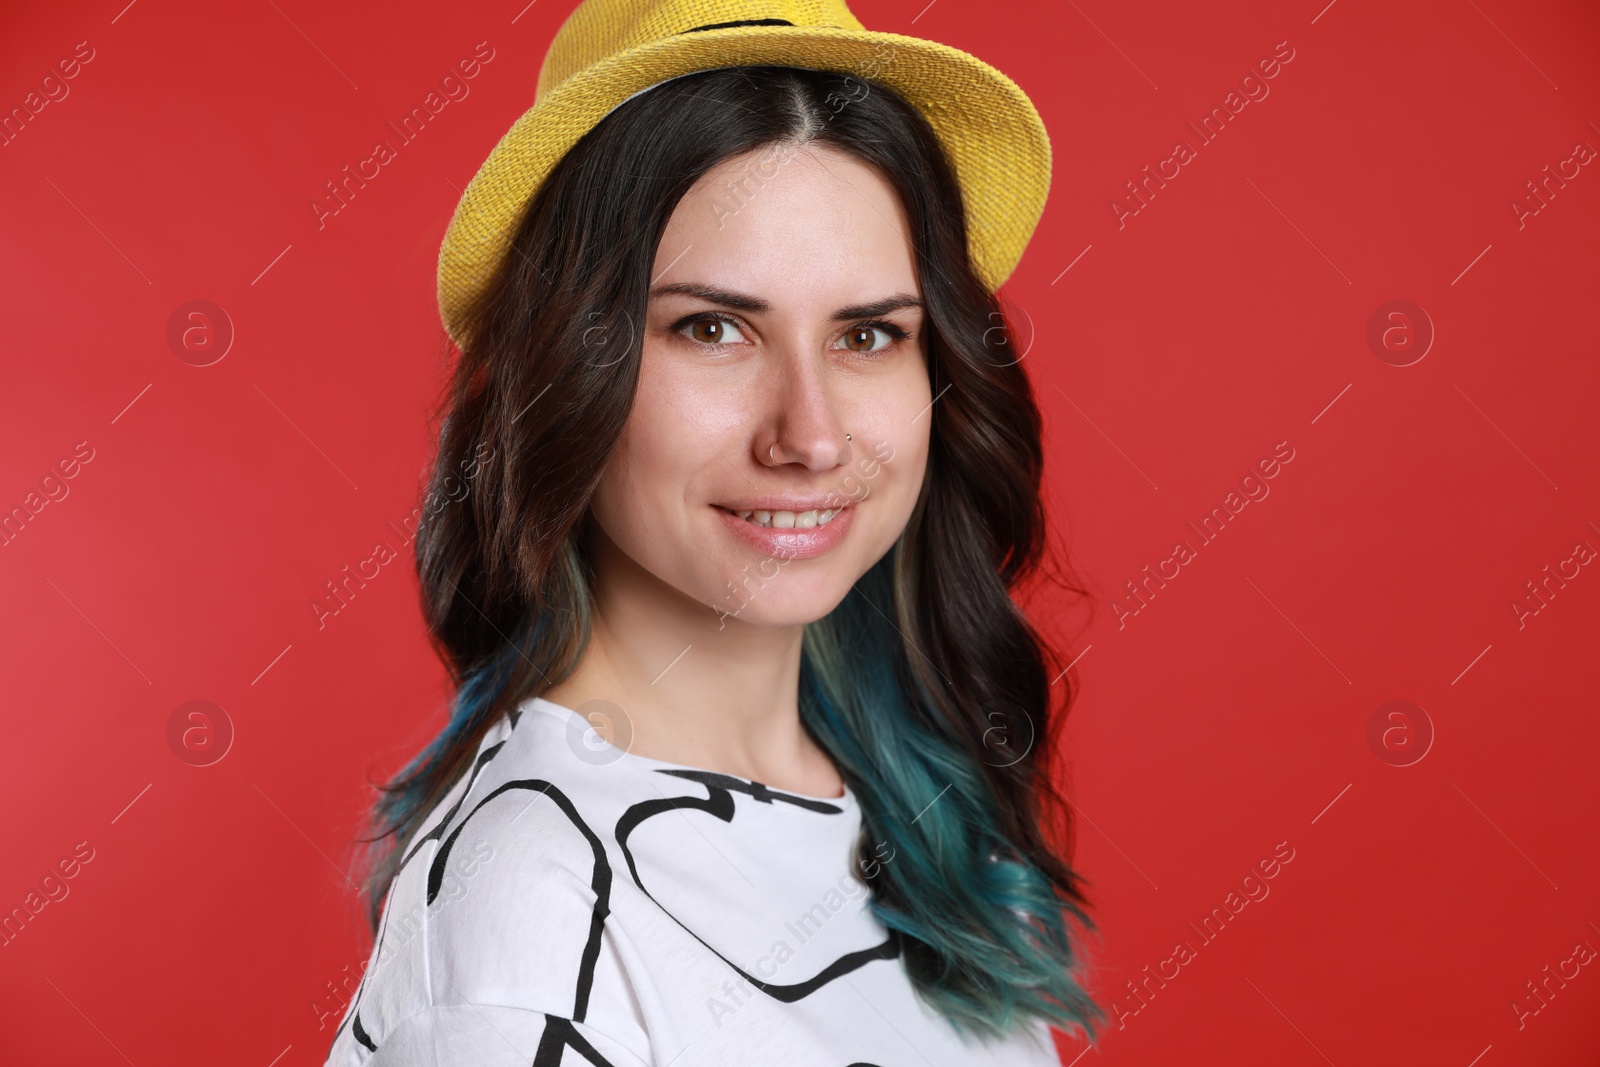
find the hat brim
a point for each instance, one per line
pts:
(988, 127)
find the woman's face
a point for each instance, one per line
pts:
(784, 313)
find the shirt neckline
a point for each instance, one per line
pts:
(571, 717)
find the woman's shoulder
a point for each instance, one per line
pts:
(513, 871)
(497, 929)
(501, 900)
(508, 911)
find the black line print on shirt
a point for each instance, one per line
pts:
(600, 884)
(438, 831)
(351, 1017)
(560, 1035)
(718, 802)
(753, 789)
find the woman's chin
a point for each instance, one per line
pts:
(801, 602)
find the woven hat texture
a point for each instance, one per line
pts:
(610, 50)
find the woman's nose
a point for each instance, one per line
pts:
(803, 424)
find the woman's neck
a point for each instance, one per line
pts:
(697, 687)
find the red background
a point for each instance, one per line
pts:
(1229, 314)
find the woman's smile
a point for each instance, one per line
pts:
(788, 534)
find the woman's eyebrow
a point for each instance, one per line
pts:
(878, 307)
(714, 295)
(743, 302)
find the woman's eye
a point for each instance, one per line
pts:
(868, 338)
(712, 331)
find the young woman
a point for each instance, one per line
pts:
(749, 759)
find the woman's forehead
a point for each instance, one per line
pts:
(790, 221)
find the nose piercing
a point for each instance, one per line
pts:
(774, 445)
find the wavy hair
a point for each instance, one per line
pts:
(926, 685)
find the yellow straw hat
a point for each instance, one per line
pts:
(610, 50)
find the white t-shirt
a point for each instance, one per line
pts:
(569, 903)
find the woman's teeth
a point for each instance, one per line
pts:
(788, 520)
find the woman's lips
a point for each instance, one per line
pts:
(792, 543)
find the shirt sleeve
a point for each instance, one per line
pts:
(486, 1035)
